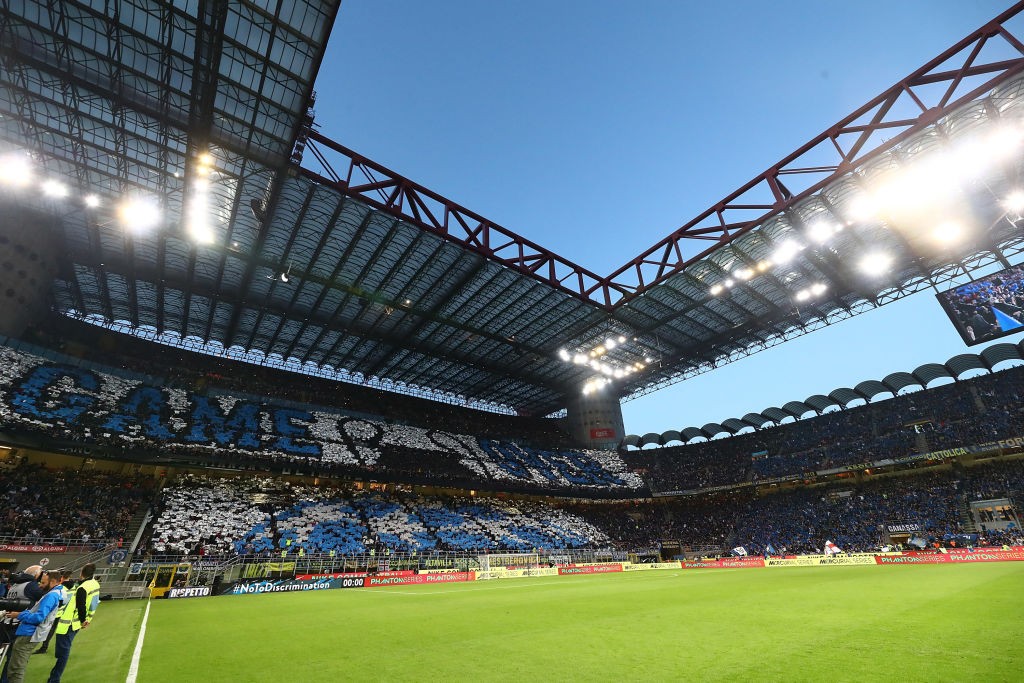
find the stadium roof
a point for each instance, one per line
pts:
(272, 238)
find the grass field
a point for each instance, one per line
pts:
(938, 622)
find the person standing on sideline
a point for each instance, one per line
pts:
(76, 616)
(68, 582)
(33, 625)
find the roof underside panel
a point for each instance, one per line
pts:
(123, 99)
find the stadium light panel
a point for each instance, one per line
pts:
(1014, 202)
(803, 295)
(139, 214)
(875, 263)
(92, 201)
(580, 359)
(821, 231)
(785, 252)
(15, 170)
(819, 288)
(716, 289)
(948, 232)
(610, 343)
(54, 189)
(622, 339)
(564, 355)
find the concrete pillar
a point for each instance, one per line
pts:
(28, 266)
(596, 420)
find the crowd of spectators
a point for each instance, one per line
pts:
(124, 413)
(969, 412)
(266, 516)
(204, 515)
(83, 506)
(194, 371)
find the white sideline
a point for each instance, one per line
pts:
(133, 670)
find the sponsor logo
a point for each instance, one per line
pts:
(193, 592)
(279, 587)
(33, 548)
(591, 569)
(416, 579)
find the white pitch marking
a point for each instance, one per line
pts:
(133, 670)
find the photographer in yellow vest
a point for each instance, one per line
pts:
(74, 617)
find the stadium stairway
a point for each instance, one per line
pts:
(142, 518)
(967, 523)
(921, 444)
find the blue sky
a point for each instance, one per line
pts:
(597, 128)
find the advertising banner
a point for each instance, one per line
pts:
(505, 573)
(956, 556)
(417, 579)
(5, 547)
(647, 566)
(923, 558)
(334, 575)
(820, 560)
(724, 563)
(590, 569)
(192, 592)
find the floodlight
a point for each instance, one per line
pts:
(91, 201)
(579, 359)
(819, 288)
(206, 159)
(716, 290)
(744, 273)
(863, 207)
(1014, 202)
(948, 232)
(821, 231)
(15, 170)
(622, 339)
(563, 354)
(803, 295)
(55, 189)
(729, 283)
(875, 263)
(1003, 141)
(786, 251)
(764, 265)
(139, 214)
(609, 343)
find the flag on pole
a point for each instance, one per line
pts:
(831, 548)
(770, 550)
(739, 550)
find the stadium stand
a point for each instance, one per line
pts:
(202, 515)
(968, 412)
(207, 516)
(68, 506)
(131, 412)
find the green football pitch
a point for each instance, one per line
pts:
(938, 622)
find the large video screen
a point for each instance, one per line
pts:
(987, 308)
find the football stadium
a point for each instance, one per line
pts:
(272, 411)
